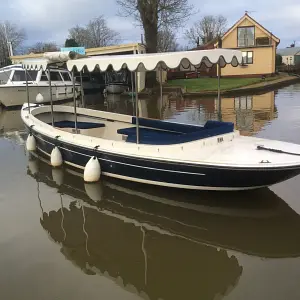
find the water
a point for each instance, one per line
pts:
(62, 239)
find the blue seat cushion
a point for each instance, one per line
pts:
(80, 125)
(158, 137)
(168, 126)
(146, 131)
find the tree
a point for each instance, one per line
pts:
(95, 34)
(154, 15)
(166, 41)
(71, 43)
(278, 60)
(206, 29)
(80, 35)
(9, 32)
(42, 47)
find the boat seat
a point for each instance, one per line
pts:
(80, 125)
(168, 126)
(158, 137)
(146, 131)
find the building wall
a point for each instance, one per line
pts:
(263, 63)
(297, 59)
(263, 56)
(288, 59)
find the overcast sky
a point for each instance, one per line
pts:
(49, 20)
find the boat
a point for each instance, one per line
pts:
(13, 85)
(116, 82)
(90, 84)
(210, 157)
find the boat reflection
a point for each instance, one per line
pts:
(11, 125)
(163, 243)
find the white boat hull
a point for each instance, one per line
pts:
(17, 96)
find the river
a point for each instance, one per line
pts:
(61, 239)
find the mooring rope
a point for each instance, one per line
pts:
(277, 150)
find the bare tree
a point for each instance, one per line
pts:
(166, 41)
(95, 34)
(206, 29)
(80, 35)
(42, 47)
(9, 32)
(154, 15)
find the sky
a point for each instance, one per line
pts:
(49, 20)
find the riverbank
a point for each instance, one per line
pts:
(209, 86)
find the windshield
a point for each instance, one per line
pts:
(19, 75)
(4, 77)
(114, 77)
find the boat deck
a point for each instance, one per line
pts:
(151, 132)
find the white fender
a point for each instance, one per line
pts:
(56, 158)
(58, 176)
(92, 170)
(39, 98)
(30, 143)
(94, 191)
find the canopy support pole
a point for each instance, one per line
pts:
(82, 95)
(74, 98)
(132, 91)
(27, 90)
(51, 99)
(219, 92)
(137, 109)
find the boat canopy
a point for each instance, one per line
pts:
(140, 62)
(49, 58)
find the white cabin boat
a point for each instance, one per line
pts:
(209, 157)
(13, 85)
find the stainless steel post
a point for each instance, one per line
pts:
(219, 93)
(132, 91)
(27, 89)
(74, 98)
(137, 109)
(51, 98)
(82, 95)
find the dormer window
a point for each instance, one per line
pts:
(246, 36)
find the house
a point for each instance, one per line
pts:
(257, 44)
(290, 56)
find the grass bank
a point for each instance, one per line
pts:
(211, 84)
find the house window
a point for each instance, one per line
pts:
(247, 57)
(245, 36)
(263, 41)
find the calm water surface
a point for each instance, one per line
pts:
(62, 239)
